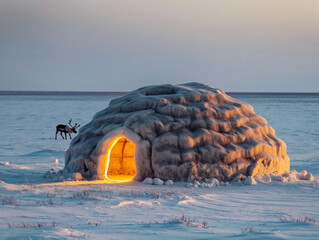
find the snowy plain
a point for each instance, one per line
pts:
(30, 209)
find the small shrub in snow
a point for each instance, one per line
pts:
(85, 194)
(189, 221)
(149, 181)
(52, 203)
(298, 220)
(182, 219)
(204, 224)
(37, 225)
(250, 230)
(12, 201)
(158, 181)
(153, 193)
(49, 202)
(59, 192)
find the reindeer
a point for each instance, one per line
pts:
(66, 129)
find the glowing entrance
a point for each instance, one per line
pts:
(120, 163)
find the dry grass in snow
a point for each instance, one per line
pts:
(188, 221)
(35, 225)
(11, 200)
(306, 219)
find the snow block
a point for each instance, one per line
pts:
(149, 181)
(158, 181)
(169, 182)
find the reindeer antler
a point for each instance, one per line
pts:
(76, 125)
(70, 122)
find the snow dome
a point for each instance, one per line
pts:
(181, 132)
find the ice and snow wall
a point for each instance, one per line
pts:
(178, 132)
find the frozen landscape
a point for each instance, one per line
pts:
(33, 207)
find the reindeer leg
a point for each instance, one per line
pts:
(70, 136)
(61, 135)
(66, 136)
(56, 134)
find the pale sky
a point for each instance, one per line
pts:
(121, 45)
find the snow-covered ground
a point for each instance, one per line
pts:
(32, 209)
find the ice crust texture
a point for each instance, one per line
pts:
(186, 132)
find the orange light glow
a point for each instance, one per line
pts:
(120, 162)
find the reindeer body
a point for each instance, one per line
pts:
(66, 129)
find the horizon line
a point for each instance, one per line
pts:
(42, 92)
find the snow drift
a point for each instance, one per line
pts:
(181, 132)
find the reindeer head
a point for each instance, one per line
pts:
(73, 128)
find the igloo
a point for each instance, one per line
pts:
(180, 132)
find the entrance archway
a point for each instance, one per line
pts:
(120, 163)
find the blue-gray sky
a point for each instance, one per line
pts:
(120, 45)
